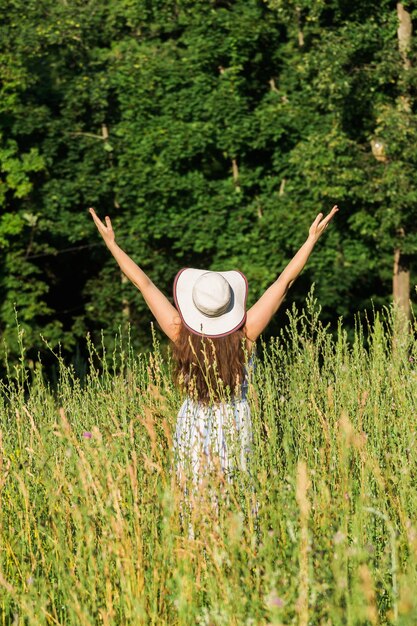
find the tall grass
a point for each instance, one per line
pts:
(321, 530)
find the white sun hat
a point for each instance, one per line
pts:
(212, 304)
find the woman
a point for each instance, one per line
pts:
(212, 334)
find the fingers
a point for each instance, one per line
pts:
(98, 221)
(329, 217)
(319, 225)
(93, 214)
(317, 220)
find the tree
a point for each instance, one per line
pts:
(355, 80)
(212, 132)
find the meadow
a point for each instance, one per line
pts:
(322, 529)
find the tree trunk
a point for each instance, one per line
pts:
(402, 309)
(404, 32)
(300, 33)
(401, 273)
(401, 283)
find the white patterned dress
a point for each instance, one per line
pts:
(213, 436)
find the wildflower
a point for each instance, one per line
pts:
(273, 600)
(87, 435)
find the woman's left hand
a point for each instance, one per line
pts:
(319, 225)
(105, 230)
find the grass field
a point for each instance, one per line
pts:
(323, 530)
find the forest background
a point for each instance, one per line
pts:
(212, 132)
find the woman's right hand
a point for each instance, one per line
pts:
(105, 230)
(319, 225)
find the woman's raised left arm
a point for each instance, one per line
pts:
(261, 313)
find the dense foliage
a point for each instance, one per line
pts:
(212, 132)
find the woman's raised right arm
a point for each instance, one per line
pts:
(165, 313)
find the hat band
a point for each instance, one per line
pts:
(209, 312)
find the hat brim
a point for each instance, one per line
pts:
(201, 324)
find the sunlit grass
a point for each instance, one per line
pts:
(322, 530)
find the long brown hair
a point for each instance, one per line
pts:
(209, 369)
